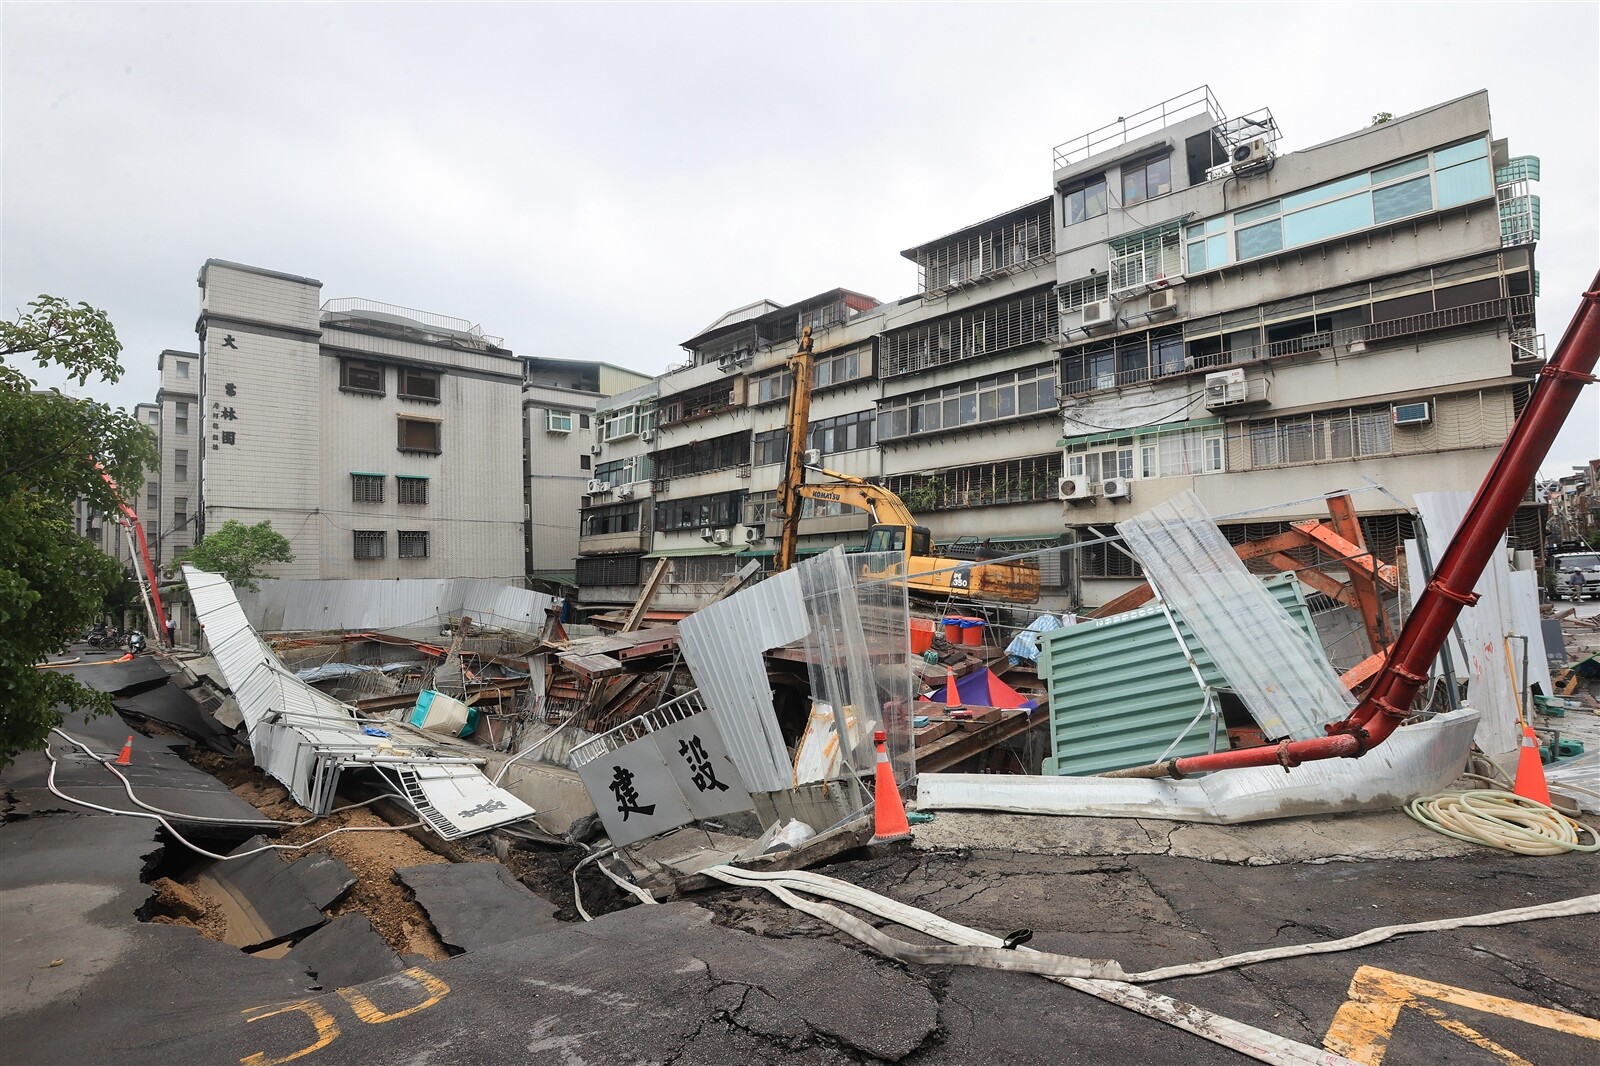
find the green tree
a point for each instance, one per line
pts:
(1381, 117)
(239, 553)
(53, 582)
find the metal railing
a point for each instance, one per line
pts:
(1196, 101)
(669, 713)
(357, 304)
(1427, 322)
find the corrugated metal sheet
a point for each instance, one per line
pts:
(424, 605)
(1418, 760)
(1280, 674)
(722, 645)
(306, 738)
(1121, 689)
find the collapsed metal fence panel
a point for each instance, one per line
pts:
(305, 738)
(420, 604)
(1284, 680)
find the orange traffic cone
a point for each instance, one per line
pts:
(1530, 771)
(127, 754)
(889, 814)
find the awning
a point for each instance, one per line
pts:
(685, 553)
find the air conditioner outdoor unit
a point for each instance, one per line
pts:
(1099, 315)
(1412, 414)
(1163, 302)
(753, 534)
(813, 457)
(596, 449)
(1252, 155)
(1116, 488)
(625, 492)
(706, 533)
(1074, 488)
(719, 536)
(647, 435)
(598, 486)
(1226, 387)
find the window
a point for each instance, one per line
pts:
(1146, 258)
(558, 421)
(771, 447)
(1207, 245)
(583, 461)
(1100, 461)
(1015, 393)
(624, 471)
(152, 498)
(180, 417)
(698, 457)
(370, 543)
(181, 366)
(833, 369)
(180, 512)
(412, 490)
(1074, 294)
(155, 418)
(366, 488)
(1015, 323)
(417, 384)
(697, 512)
(769, 388)
(1181, 453)
(1084, 201)
(617, 424)
(612, 518)
(844, 433)
(413, 544)
(419, 435)
(356, 375)
(608, 570)
(583, 421)
(1147, 179)
(180, 465)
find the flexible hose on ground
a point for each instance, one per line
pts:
(1502, 820)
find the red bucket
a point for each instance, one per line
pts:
(921, 635)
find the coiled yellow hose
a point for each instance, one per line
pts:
(1502, 820)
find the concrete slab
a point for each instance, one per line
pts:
(476, 905)
(1334, 838)
(175, 708)
(263, 897)
(346, 951)
(99, 671)
(324, 879)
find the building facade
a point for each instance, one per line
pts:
(382, 441)
(170, 515)
(1187, 310)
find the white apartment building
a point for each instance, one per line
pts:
(1189, 308)
(382, 441)
(171, 511)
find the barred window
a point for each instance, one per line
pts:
(366, 488)
(412, 489)
(370, 543)
(608, 570)
(999, 327)
(697, 457)
(990, 399)
(983, 485)
(413, 544)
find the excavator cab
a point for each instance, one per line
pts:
(892, 538)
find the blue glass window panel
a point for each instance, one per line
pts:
(1327, 220)
(1448, 157)
(1216, 225)
(1196, 231)
(1396, 170)
(1217, 249)
(1324, 192)
(1260, 240)
(1250, 214)
(1407, 198)
(1197, 257)
(1464, 183)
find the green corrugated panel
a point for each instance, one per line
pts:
(1522, 168)
(1121, 690)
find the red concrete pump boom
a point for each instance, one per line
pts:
(158, 613)
(1388, 701)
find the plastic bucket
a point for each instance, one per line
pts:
(972, 631)
(952, 630)
(921, 635)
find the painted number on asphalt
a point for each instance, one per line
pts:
(1361, 1029)
(327, 1027)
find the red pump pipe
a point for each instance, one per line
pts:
(130, 516)
(1388, 700)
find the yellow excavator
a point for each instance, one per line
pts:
(894, 528)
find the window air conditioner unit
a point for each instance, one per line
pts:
(647, 435)
(1116, 488)
(1074, 488)
(813, 457)
(1226, 388)
(597, 486)
(1099, 315)
(625, 492)
(596, 448)
(1252, 155)
(706, 533)
(1412, 414)
(719, 536)
(1163, 302)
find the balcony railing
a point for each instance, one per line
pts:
(1427, 322)
(356, 305)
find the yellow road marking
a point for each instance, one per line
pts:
(1362, 1027)
(367, 1012)
(327, 1030)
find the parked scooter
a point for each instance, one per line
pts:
(101, 635)
(135, 642)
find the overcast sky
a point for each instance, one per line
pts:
(601, 181)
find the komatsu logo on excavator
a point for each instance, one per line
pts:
(825, 495)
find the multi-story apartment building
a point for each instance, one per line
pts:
(382, 441)
(615, 521)
(170, 512)
(1263, 329)
(1188, 309)
(559, 398)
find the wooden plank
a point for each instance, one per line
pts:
(961, 746)
(590, 667)
(646, 596)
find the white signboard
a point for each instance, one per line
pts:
(699, 761)
(634, 793)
